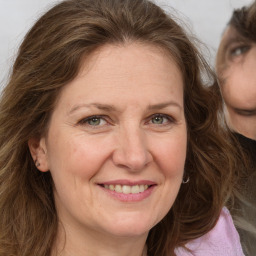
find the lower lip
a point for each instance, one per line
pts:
(130, 197)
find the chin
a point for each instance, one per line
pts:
(131, 227)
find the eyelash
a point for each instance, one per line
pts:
(100, 118)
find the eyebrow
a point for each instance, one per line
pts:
(109, 107)
(100, 106)
(164, 105)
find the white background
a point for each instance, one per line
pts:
(205, 18)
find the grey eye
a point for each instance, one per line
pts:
(239, 50)
(94, 121)
(158, 120)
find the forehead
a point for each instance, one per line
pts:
(115, 60)
(114, 70)
(125, 50)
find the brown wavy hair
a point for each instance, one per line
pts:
(48, 59)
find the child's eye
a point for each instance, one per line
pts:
(160, 119)
(93, 121)
(237, 51)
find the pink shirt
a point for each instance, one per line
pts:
(222, 240)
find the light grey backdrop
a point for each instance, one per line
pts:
(205, 18)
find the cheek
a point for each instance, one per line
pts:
(239, 88)
(171, 159)
(230, 86)
(171, 155)
(74, 163)
(76, 156)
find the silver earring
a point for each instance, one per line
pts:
(37, 163)
(185, 181)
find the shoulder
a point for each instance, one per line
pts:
(222, 240)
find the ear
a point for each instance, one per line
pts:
(38, 151)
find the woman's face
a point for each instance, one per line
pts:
(116, 144)
(238, 82)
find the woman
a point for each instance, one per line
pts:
(235, 65)
(110, 141)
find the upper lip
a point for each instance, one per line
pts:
(129, 182)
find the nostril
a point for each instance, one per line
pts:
(132, 152)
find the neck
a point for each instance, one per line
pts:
(79, 243)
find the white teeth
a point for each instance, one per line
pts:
(136, 189)
(118, 189)
(142, 188)
(126, 189)
(112, 187)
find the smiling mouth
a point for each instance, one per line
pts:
(126, 189)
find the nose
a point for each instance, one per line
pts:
(132, 151)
